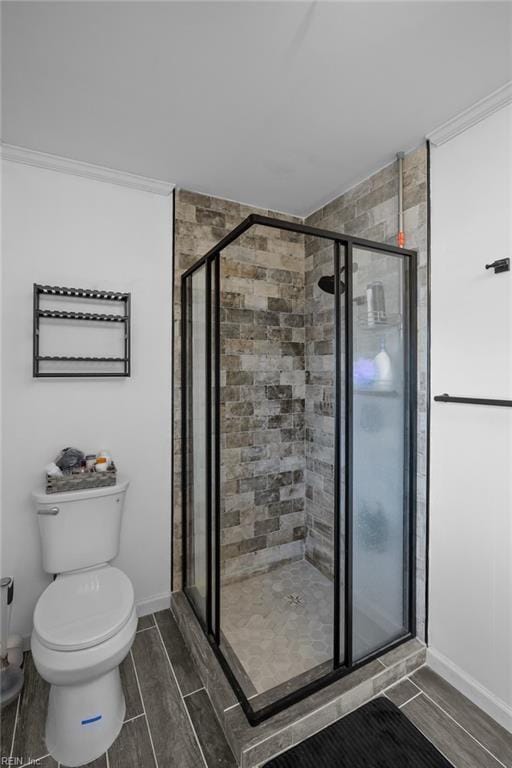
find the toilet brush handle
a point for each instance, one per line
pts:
(7, 590)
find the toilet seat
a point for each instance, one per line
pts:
(83, 609)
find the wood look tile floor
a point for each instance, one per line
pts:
(170, 722)
(459, 729)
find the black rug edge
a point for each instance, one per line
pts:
(381, 702)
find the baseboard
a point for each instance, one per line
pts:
(153, 604)
(475, 692)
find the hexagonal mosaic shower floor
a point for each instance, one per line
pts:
(279, 624)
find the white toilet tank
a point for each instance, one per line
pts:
(80, 529)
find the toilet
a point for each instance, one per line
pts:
(84, 622)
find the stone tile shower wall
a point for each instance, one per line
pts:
(262, 402)
(263, 383)
(369, 210)
(319, 414)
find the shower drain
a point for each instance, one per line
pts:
(294, 599)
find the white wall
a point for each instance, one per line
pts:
(61, 229)
(471, 445)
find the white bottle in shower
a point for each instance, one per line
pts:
(370, 307)
(383, 369)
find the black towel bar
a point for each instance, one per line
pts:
(445, 398)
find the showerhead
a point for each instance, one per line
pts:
(326, 283)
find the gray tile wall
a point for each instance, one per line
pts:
(319, 475)
(369, 210)
(262, 397)
(262, 368)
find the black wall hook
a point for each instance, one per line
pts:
(501, 265)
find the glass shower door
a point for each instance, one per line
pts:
(382, 460)
(195, 427)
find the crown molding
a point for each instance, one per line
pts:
(85, 170)
(479, 111)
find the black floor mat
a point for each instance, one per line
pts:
(376, 735)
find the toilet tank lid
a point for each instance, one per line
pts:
(41, 497)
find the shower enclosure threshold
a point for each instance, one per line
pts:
(252, 745)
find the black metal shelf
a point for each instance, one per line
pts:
(55, 291)
(445, 398)
(61, 315)
(83, 293)
(82, 359)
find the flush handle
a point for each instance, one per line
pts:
(50, 511)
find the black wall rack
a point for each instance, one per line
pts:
(57, 314)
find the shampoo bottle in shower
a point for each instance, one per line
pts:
(383, 368)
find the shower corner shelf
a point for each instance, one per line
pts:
(57, 314)
(379, 324)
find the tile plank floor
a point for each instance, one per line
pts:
(170, 722)
(461, 731)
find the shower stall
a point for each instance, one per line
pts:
(298, 455)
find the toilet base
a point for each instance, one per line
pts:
(84, 719)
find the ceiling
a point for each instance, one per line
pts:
(282, 105)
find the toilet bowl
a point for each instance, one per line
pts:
(84, 626)
(84, 621)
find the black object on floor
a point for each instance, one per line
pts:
(376, 735)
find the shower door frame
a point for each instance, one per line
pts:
(342, 663)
